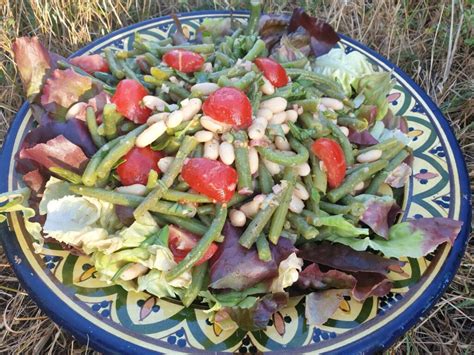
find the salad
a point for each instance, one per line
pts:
(249, 163)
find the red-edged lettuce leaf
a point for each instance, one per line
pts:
(125, 214)
(238, 268)
(57, 152)
(361, 284)
(78, 110)
(272, 27)
(323, 36)
(345, 258)
(33, 62)
(321, 305)
(392, 122)
(362, 137)
(90, 63)
(376, 214)
(257, 317)
(35, 181)
(64, 88)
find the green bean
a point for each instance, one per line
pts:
(224, 59)
(177, 90)
(391, 153)
(278, 219)
(114, 66)
(326, 85)
(241, 84)
(314, 197)
(353, 122)
(197, 284)
(106, 78)
(89, 177)
(206, 209)
(256, 226)
(111, 120)
(202, 246)
(382, 175)
(161, 73)
(255, 9)
(292, 91)
(320, 180)
(265, 179)
(123, 54)
(187, 146)
(298, 63)
(230, 73)
(66, 174)
(263, 248)
(130, 74)
(121, 199)
(312, 218)
(352, 180)
(302, 227)
(91, 121)
(282, 157)
(151, 59)
(206, 219)
(196, 48)
(333, 208)
(152, 179)
(256, 51)
(182, 186)
(245, 185)
(185, 197)
(383, 146)
(189, 224)
(308, 105)
(125, 144)
(320, 127)
(152, 80)
(342, 140)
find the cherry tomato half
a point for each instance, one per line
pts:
(128, 98)
(211, 178)
(331, 154)
(90, 63)
(273, 71)
(229, 105)
(181, 242)
(137, 165)
(183, 60)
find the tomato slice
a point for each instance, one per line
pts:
(137, 165)
(90, 63)
(211, 178)
(331, 154)
(181, 242)
(229, 105)
(273, 71)
(183, 60)
(128, 98)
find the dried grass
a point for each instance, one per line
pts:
(431, 40)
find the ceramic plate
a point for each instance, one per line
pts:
(113, 321)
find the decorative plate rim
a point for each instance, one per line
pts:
(380, 338)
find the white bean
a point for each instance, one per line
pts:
(191, 109)
(296, 204)
(226, 153)
(133, 272)
(278, 118)
(154, 103)
(303, 169)
(211, 149)
(152, 133)
(333, 104)
(344, 130)
(291, 115)
(164, 163)
(285, 128)
(265, 113)
(301, 192)
(258, 127)
(203, 136)
(250, 209)
(135, 189)
(213, 125)
(267, 88)
(299, 109)
(322, 166)
(157, 117)
(174, 119)
(272, 167)
(253, 160)
(359, 187)
(237, 218)
(204, 89)
(282, 143)
(207, 67)
(75, 109)
(275, 104)
(370, 156)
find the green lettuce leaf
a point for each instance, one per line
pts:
(338, 225)
(375, 87)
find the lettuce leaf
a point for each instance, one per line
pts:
(414, 238)
(377, 212)
(375, 87)
(320, 306)
(347, 69)
(288, 271)
(342, 227)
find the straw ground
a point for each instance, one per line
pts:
(431, 40)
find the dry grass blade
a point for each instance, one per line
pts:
(431, 40)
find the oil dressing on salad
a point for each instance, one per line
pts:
(249, 163)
